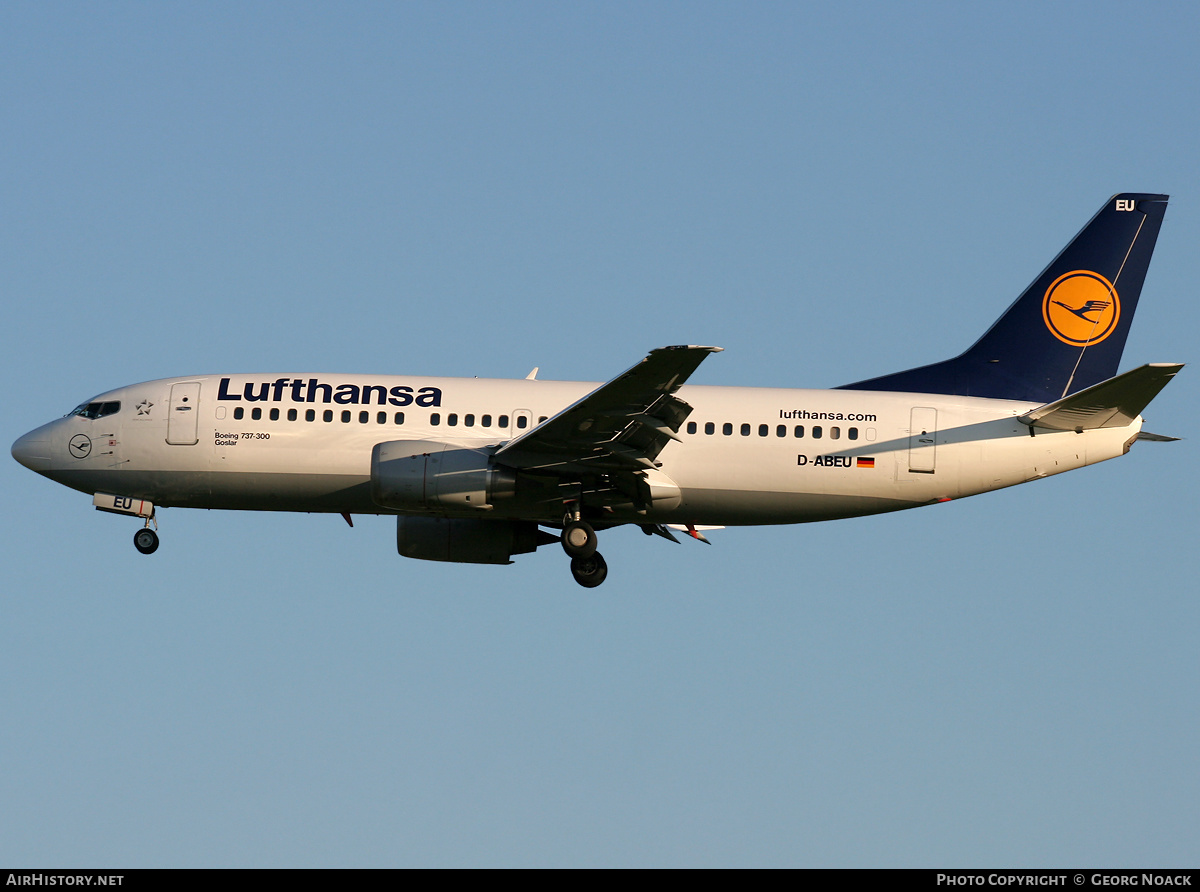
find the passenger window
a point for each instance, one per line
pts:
(468, 420)
(763, 430)
(691, 428)
(399, 418)
(816, 432)
(540, 420)
(799, 432)
(291, 414)
(835, 433)
(275, 414)
(435, 419)
(710, 428)
(503, 422)
(310, 414)
(239, 413)
(345, 416)
(745, 430)
(364, 417)
(485, 421)
(781, 430)
(522, 422)
(256, 413)
(327, 415)
(452, 419)
(852, 433)
(727, 429)
(381, 418)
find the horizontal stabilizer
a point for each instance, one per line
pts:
(1112, 403)
(1157, 438)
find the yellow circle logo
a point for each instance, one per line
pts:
(1081, 308)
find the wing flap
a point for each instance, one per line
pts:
(1112, 403)
(620, 426)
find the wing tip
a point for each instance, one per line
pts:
(690, 347)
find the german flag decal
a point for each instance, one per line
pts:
(865, 463)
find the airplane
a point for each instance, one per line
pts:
(478, 470)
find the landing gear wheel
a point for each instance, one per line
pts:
(579, 539)
(589, 571)
(146, 541)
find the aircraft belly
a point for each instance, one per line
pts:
(739, 508)
(234, 490)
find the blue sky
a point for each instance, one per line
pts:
(830, 193)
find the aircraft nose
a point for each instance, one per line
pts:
(33, 451)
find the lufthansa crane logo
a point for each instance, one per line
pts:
(1081, 308)
(81, 445)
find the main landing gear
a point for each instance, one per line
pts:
(589, 571)
(579, 541)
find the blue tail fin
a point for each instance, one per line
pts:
(1067, 331)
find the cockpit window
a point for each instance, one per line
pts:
(96, 410)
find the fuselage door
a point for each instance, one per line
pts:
(183, 415)
(922, 440)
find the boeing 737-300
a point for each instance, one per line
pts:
(478, 471)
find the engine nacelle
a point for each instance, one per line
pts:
(436, 476)
(466, 540)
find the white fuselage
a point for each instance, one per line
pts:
(773, 455)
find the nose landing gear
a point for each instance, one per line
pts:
(145, 540)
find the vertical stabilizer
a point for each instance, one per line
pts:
(1067, 330)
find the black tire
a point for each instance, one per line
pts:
(579, 539)
(145, 540)
(589, 571)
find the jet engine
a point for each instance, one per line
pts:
(467, 540)
(438, 477)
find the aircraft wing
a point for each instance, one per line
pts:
(620, 426)
(1112, 403)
